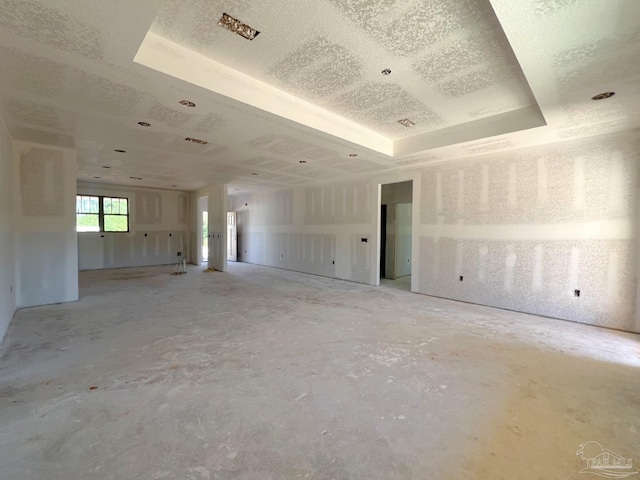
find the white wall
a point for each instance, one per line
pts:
(318, 230)
(7, 244)
(523, 228)
(404, 234)
(526, 228)
(46, 258)
(158, 229)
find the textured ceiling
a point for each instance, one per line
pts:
(462, 70)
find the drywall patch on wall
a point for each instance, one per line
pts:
(46, 240)
(148, 207)
(361, 257)
(43, 268)
(183, 209)
(339, 204)
(42, 182)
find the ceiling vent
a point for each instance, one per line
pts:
(236, 26)
(405, 122)
(195, 140)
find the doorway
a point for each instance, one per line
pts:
(203, 230)
(232, 237)
(396, 212)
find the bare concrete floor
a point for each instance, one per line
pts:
(266, 374)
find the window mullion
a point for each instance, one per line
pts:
(101, 213)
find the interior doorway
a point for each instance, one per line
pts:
(203, 230)
(232, 237)
(396, 225)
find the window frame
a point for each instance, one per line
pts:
(101, 213)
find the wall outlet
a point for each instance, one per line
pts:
(576, 293)
(364, 240)
(179, 254)
(461, 278)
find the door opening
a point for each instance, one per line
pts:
(203, 230)
(232, 237)
(396, 212)
(383, 240)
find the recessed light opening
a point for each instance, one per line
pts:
(187, 103)
(602, 96)
(144, 124)
(236, 26)
(405, 122)
(386, 71)
(196, 140)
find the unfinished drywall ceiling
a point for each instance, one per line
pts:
(452, 53)
(462, 71)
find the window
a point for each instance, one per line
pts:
(102, 214)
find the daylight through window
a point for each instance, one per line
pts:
(102, 214)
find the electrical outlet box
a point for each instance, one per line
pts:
(179, 254)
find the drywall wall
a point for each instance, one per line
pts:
(394, 194)
(404, 213)
(326, 230)
(524, 229)
(46, 259)
(217, 204)
(158, 229)
(527, 228)
(7, 244)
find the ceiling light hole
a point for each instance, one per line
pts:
(602, 96)
(236, 26)
(187, 103)
(144, 124)
(405, 122)
(196, 140)
(386, 71)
